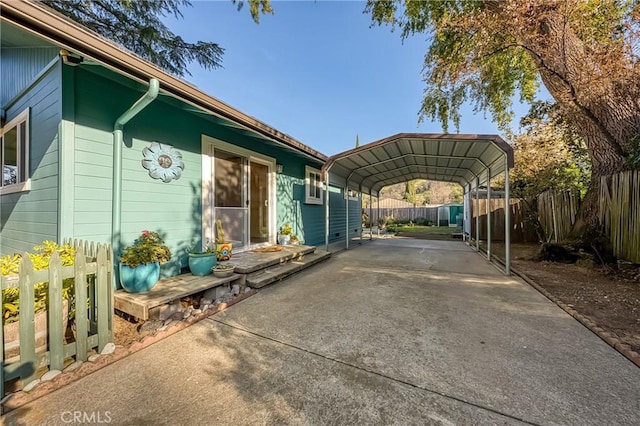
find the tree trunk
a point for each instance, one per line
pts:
(605, 113)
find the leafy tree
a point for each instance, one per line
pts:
(549, 155)
(137, 25)
(410, 193)
(488, 52)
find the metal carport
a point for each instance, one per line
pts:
(469, 160)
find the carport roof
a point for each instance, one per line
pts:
(459, 158)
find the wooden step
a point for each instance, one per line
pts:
(250, 261)
(165, 291)
(267, 276)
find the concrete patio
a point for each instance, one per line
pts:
(396, 331)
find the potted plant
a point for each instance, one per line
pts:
(202, 260)
(140, 262)
(223, 247)
(285, 235)
(223, 270)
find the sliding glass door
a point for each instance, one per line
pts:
(241, 185)
(230, 196)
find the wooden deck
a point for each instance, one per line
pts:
(167, 290)
(262, 267)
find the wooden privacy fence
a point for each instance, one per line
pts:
(93, 266)
(402, 213)
(557, 213)
(521, 229)
(620, 213)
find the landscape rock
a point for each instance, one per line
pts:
(109, 348)
(196, 312)
(94, 357)
(151, 326)
(247, 289)
(177, 316)
(31, 385)
(235, 289)
(50, 375)
(165, 311)
(73, 366)
(186, 314)
(221, 291)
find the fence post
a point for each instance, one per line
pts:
(56, 333)
(103, 302)
(27, 325)
(82, 327)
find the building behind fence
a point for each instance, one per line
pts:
(93, 265)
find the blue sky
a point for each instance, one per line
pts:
(317, 71)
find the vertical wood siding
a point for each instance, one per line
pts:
(19, 67)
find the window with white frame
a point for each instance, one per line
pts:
(14, 152)
(313, 186)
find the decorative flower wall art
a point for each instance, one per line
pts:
(163, 162)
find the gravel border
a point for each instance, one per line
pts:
(20, 398)
(611, 338)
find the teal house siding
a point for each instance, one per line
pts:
(307, 220)
(27, 218)
(20, 67)
(338, 215)
(174, 209)
(73, 109)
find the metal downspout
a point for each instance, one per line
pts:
(118, 140)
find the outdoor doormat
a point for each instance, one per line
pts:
(268, 249)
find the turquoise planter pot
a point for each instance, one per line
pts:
(201, 263)
(141, 278)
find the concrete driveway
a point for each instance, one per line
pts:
(397, 331)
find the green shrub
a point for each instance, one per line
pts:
(10, 264)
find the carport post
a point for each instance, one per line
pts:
(477, 211)
(378, 212)
(370, 216)
(360, 197)
(464, 212)
(489, 214)
(326, 210)
(346, 209)
(507, 218)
